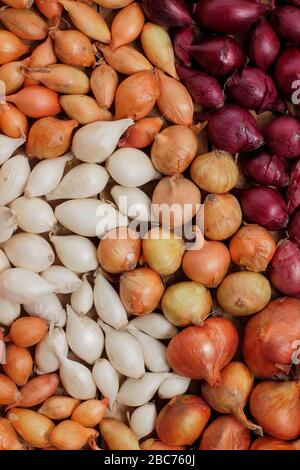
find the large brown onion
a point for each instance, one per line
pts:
(215, 172)
(225, 433)
(222, 216)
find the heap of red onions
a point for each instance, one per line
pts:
(285, 268)
(266, 168)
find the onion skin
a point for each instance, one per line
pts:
(282, 136)
(285, 268)
(70, 435)
(153, 444)
(50, 8)
(167, 12)
(127, 25)
(225, 433)
(263, 44)
(182, 420)
(18, 365)
(285, 21)
(266, 168)
(36, 102)
(125, 59)
(141, 291)
(182, 40)
(28, 331)
(201, 352)
(222, 216)
(104, 82)
(58, 407)
(252, 247)
(12, 75)
(37, 390)
(293, 192)
(13, 122)
(276, 407)
(8, 437)
(294, 228)
(33, 427)
(270, 336)
(287, 70)
(90, 412)
(142, 133)
(8, 391)
(269, 443)
(25, 23)
(11, 47)
(73, 48)
(84, 109)
(117, 435)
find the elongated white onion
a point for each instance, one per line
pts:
(137, 392)
(173, 386)
(33, 215)
(155, 353)
(8, 223)
(155, 325)
(106, 379)
(143, 420)
(9, 312)
(4, 262)
(14, 174)
(77, 379)
(45, 358)
(65, 281)
(82, 299)
(49, 308)
(108, 304)
(7, 147)
(76, 253)
(132, 202)
(23, 286)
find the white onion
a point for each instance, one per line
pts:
(95, 142)
(106, 379)
(4, 262)
(77, 379)
(155, 353)
(123, 351)
(143, 420)
(131, 167)
(137, 392)
(155, 325)
(64, 280)
(23, 286)
(45, 358)
(173, 386)
(46, 175)
(29, 251)
(7, 147)
(108, 304)
(49, 308)
(76, 253)
(13, 178)
(33, 215)
(82, 299)
(132, 202)
(85, 180)
(8, 223)
(9, 312)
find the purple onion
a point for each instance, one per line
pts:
(218, 55)
(286, 22)
(263, 44)
(282, 136)
(285, 268)
(167, 12)
(293, 193)
(254, 89)
(228, 16)
(182, 40)
(205, 90)
(234, 130)
(294, 228)
(265, 207)
(287, 71)
(266, 169)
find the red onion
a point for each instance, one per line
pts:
(263, 44)
(293, 193)
(254, 89)
(265, 207)
(282, 136)
(294, 228)
(266, 169)
(228, 16)
(234, 130)
(167, 12)
(204, 89)
(218, 55)
(287, 71)
(286, 21)
(182, 39)
(285, 268)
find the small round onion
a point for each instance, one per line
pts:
(215, 172)
(282, 136)
(225, 433)
(186, 303)
(285, 268)
(244, 293)
(222, 216)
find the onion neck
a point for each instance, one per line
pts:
(242, 418)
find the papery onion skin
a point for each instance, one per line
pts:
(182, 40)
(117, 435)
(182, 420)
(33, 427)
(293, 192)
(153, 444)
(282, 136)
(28, 331)
(36, 101)
(25, 23)
(141, 290)
(70, 435)
(285, 21)
(285, 268)
(8, 437)
(8, 391)
(167, 12)
(84, 109)
(266, 168)
(11, 47)
(50, 8)
(73, 48)
(127, 25)
(294, 228)
(263, 44)
(58, 407)
(276, 407)
(222, 216)
(252, 247)
(225, 433)
(215, 172)
(13, 122)
(201, 352)
(37, 390)
(269, 341)
(125, 59)
(142, 133)
(287, 71)
(90, 412)
(104, 82)
(18, 365)
(12, 75)
(269, 443)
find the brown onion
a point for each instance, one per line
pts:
(201, 352)
(36, 101)
(186, 303)
(19, 3)
(58, 408)
(269, 443)
(174, 149)
(225, 433)
(154, 444)
(141, 290)
(163, 251)
(117, 435)
(90, 412)
(18, 364)
(182, 420)
(270, 338)
(175, 201)
(84, 109)
(276, 407)
(33, 427)
(142, 133)
(70, 435)
(127, 25)
(11, 47)
(222, 216)
(27, 331)
(119, 250)
(252, 247)
(12, 75)
(233, 393)
(73, 48)
(125, 59)
(37, 390)
(8, 391)
(8, 437)
(215, 172)
(42, 56)
(13, 122)
(104, 83)
(50, 8)
(244, 293)
(25, 23)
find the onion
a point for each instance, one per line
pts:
(184, 38)
(232, 395)
(82, 299)
(252, 247)
(127, 25)
(106, 379)
(154, 444)
(43, 55)
(133, 202)
(33, 427)
(285, 21)
(70, 435)
(50, 8)
(269, 443)
(137, 392)
(294, 228)
(114, 4)
(154, 351)
(12, 75)
(234, 130)
(73, 48)
(8, 436)
(163, 251)
(155, 325)
(125, 59)
(46, 360)
(276, 407)
(104, 81)
(186, 303)
(36, 101)
(167, 12)
(270, 337)
(76, 253)
(264, 206)
(141, 290)
(65, 281)
(244, 293)
(287, 71)
(8, 391)
(58, 407)
(12, 121)
(293, 192)
(201, 352)
(90, 412)
(143, 419)
(37, 390)
(285, 268)
(182, 420)
(175, 201)
(215, 172)
(282, 136)
(263, 44)
(27, 331)
(225, 433)
(8, 224)
(108, 304)
(25, 23)
(11, 47)
(117, 435)
(266, 169)
(236, 15)
(158, 48)
(14, 174)
(21, 286)
(18, 364)
(222, 216)
(173, 386)
(142, 133)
